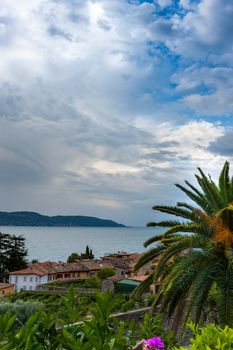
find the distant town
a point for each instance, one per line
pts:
(113, 272)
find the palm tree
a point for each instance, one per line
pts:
(195, 253)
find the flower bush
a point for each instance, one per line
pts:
(210, 337)
(154, 343)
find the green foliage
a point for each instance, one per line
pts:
(73, 257)
(210, 337)
(194, 253)
(38, 333)
(22, 309)
(12, 254)
(99, 332)
(105, 273)
(92, 282)
(52, 302)
(72, 310)
(88, 254)
(34, 261)
(152, 326)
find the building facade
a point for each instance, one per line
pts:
(6, 289)
(27, 279)
(41, 273)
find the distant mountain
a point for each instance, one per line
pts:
(27, 218)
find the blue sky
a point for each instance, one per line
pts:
(104, 105)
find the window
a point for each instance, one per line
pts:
(25, 278)
(36, 279)
(16, 279)
(24, 287)
(31, 279)
(30, 287)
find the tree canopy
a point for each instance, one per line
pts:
(86, 255)
(12, 254)
(195, 252)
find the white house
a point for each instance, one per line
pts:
(48, 271)
(28, 279)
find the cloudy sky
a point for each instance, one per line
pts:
(105, 104)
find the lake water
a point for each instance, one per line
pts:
(57, 243)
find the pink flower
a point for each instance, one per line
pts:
(155, 343)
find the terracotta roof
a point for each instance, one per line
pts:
(29, 271)
(138, 278)
(115, 278)
(97, 265)
(6, 285)
(77, 266)
(51, 267)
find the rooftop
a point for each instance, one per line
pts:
(5, 285)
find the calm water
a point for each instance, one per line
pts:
(57, 243)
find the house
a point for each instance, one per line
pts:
(44, 272)
(125, 285)
(96, 265)
(6, 289)
(124, 263)
(49, 271)
(28, 279)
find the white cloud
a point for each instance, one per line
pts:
(164, 3)
(206, 27)
(207, 90)
(93, 110)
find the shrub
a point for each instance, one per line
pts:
(92, 282)
(152, 326)
(105, 273)
(22, 309)
(210, 337)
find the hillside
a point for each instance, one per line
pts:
(26, 218)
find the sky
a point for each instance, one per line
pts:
(106, 104)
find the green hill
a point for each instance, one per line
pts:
(27, 218)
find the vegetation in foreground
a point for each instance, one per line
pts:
(195, 254)
(41, 331)
(71, 331)
(55, 303)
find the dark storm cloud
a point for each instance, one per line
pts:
(223, 145)
(55, 31)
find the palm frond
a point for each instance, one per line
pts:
(184, 213)
(149, 256)
(143, 287)
(224, 183)
(201, 285)
(165, 223)
(212, 194)
(153, 239)
(185, 205)
(199, 200)
(224, 280)
(185, 243)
